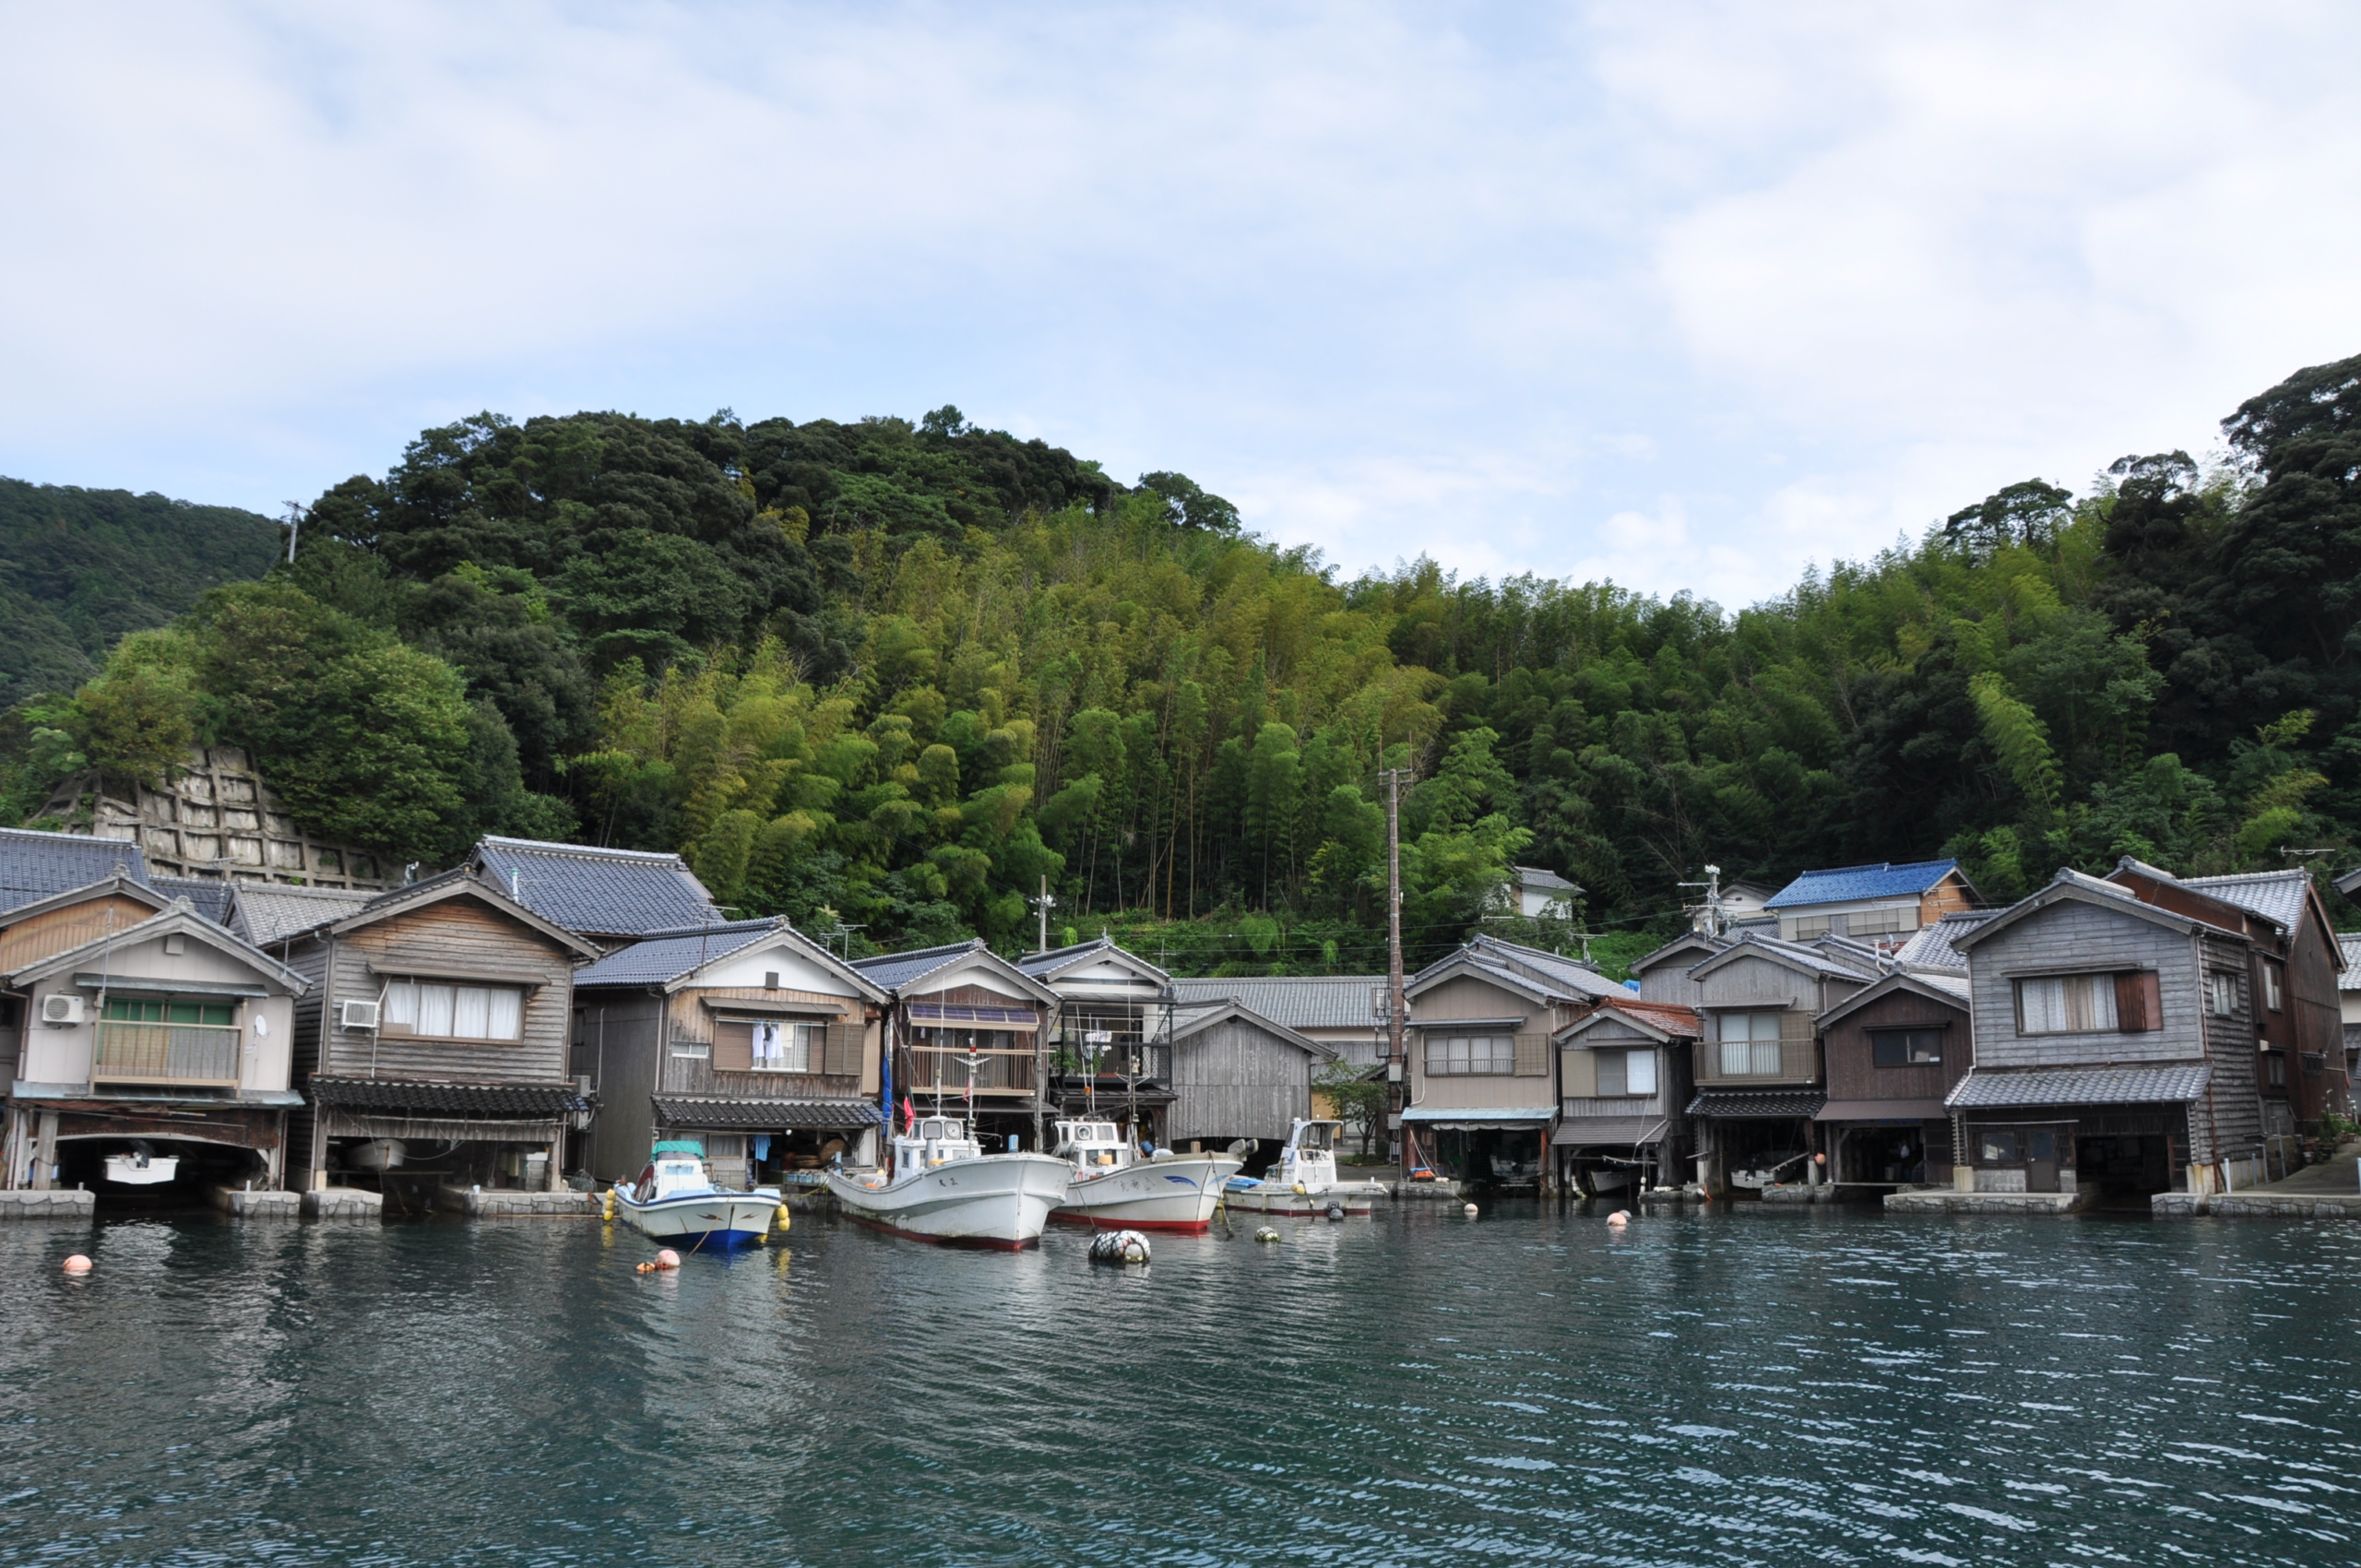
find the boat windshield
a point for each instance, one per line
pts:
(1317, 1135)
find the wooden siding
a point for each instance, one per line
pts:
(309, 958)
(2227, 1122)
(617, 1045)
(1235, 1080)
(2073, 936)
(1758, 983)
(689, 1020)
(53, 931)
(1853, 1072)
(450, 934)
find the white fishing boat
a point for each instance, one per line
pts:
(675, 1201)
(943, 1187)
(1117, 1187)
(142, 1167)
(1304, 1182)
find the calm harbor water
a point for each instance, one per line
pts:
(1739, 1388)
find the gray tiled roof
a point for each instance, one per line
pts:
(1987, 1088)
(1757, 1103)
(1839, 961)
(1298, 1002)
(1043, 965)
(894, 970)
(2274, 895)
(34, 866)
(596, 891)
(659, 960)
(762, 1115)
(2351, 977)
(399, 1096)
(209, 896)
(269, 911)
(1932, 949)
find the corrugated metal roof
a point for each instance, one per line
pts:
(1844, 885)
(1666, 1017)
(1986, 1088)
(265, 913)
(1480, 1116)
(660, 960)
(34, 866)
(596, 891)
(2274, 895)
(1298, 1002)
(1932, 949)
(1609, 1131)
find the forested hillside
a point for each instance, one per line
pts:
(898, 674)
(78, 569)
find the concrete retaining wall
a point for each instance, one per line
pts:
(53, 1205)
(1937, 1201)
(489, 1204)
(344, 1203)
(240, 1204)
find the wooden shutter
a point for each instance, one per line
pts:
(733, 1046)
(1581, 1081)
(1533, 1055)
(2139, 1002)
(842, 1056)
(1795, 1045)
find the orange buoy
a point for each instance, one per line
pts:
(668, 1258)
(1618, 1219)
(78, 1263)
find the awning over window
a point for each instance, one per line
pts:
(1470, 1119)
(1757, 1104)
(1880, 1110)
(765, 1115)
(1992, 1090)
(386, 969)
(975, 1017)
(1609, 1131)
(146, 986)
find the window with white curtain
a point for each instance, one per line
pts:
(786, 1048)
(1750, 1044)
(441, 1011)
(1470, 1055)
(2067, 1004)
(1627, 1072)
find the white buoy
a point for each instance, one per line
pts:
(1618, 1219)
(1118, 1247)
(1266, 1234)
(1471, 1211)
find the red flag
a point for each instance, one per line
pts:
(910, 1115)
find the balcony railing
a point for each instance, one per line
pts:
(181, 1055)
(997, 1072)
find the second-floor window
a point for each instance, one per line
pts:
(1905, 1048)
(2125, 1002)
(2221, 993)
(454, 1012)
(2274, 994)
(1627, 1072)
(786, 1048)
(1748, 1045)
(1468, 1055)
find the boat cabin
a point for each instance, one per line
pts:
(1310, 1156)
(1092, 1145)
(933, 1141)
(678, 1166)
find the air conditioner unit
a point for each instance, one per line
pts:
(61, 1009)
(356, 1015)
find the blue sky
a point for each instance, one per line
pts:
(1686, 296)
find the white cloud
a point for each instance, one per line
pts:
(1688, 295)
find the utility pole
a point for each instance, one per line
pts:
(294, 527)
(1044, 903)
(1713, 886)
(1398, 1055)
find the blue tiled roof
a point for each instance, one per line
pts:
(34, 866)
(597, 891)
(666, 958)
(1845, 884)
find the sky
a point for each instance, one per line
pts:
(1686, 296)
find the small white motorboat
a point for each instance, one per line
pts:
(376, 1154)
(141, 1166)
(1117, 1187)
(1304, 1184)
(675, 1201)
(943, 1187)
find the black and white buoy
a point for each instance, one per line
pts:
(1118, 1247)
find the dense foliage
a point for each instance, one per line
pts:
(905, 676)
(78, 569)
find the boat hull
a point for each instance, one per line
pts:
(126, 1169)
(703, 1219)
(1271, 1198)
(1154, 1194)
(993, 1200)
